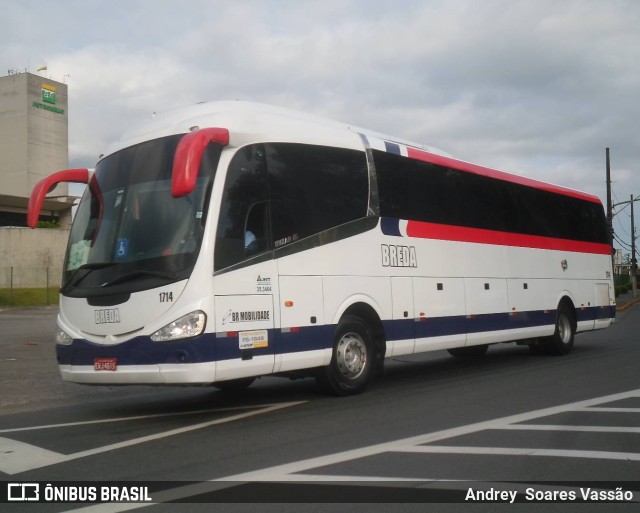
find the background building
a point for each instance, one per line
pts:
(33, 144)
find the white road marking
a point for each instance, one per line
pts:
(291, 472)
(555, 427)
(122, 419)
(288, 471)
(611, 410)
(19, 457)
(506, 451)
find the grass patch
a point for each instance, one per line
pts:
(29, 297)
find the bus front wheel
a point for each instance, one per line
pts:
(352, 363)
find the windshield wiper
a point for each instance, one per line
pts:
(74, 279)
(141, 272)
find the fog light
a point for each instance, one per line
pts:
(63, 338)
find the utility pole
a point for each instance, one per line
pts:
(610, 214)
(609, 206)
(634, 265)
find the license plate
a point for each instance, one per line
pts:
(105, 364)
(253, 339)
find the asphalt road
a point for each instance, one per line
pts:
(431, 427)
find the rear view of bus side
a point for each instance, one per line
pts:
(231, 240)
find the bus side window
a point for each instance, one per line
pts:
(314, 188)
(243, 222)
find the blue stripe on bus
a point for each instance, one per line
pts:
(392, 148)
(403, 329)
(606, 312)
(140, 351)
(305, 338)
(390, 226)
(209, 347)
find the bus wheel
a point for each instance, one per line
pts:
(469, 352)
(561, 342)
(353, 360)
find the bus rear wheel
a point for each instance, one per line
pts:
(352, 363)
(561, 342)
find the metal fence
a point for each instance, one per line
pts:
(29, 286)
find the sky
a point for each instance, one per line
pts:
(532, 87)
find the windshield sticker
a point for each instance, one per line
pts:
(122, 248)
(78, 254)
(119, 195)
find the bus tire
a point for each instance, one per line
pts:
(353, 362)
(561, 342)
(469, 353)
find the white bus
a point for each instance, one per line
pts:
(230, 240)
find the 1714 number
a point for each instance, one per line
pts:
(166, 297)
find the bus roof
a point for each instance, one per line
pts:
(249, 122)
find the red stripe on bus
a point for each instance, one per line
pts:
(499, 175)
(424, 230)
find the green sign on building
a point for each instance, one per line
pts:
(48, 95)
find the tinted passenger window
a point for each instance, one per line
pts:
(412, 189)
(542, 213)
(314, 188)
(421, 191)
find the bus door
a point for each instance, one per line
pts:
(244, 316)
(245, 275)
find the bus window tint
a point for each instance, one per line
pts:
(412, 189)
(243, 209)
(421, 191)
(314, 188)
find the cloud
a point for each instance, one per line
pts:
(536, 87)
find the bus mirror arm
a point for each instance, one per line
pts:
(186, 162)
(46, 185)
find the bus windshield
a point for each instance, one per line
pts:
(129, 233)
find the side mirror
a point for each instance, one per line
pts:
(44, 186)
(186, 162)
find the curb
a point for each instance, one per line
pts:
(628, 305)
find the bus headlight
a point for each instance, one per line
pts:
(187, 326)
(63, 338)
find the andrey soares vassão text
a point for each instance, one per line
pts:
(533, 495)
